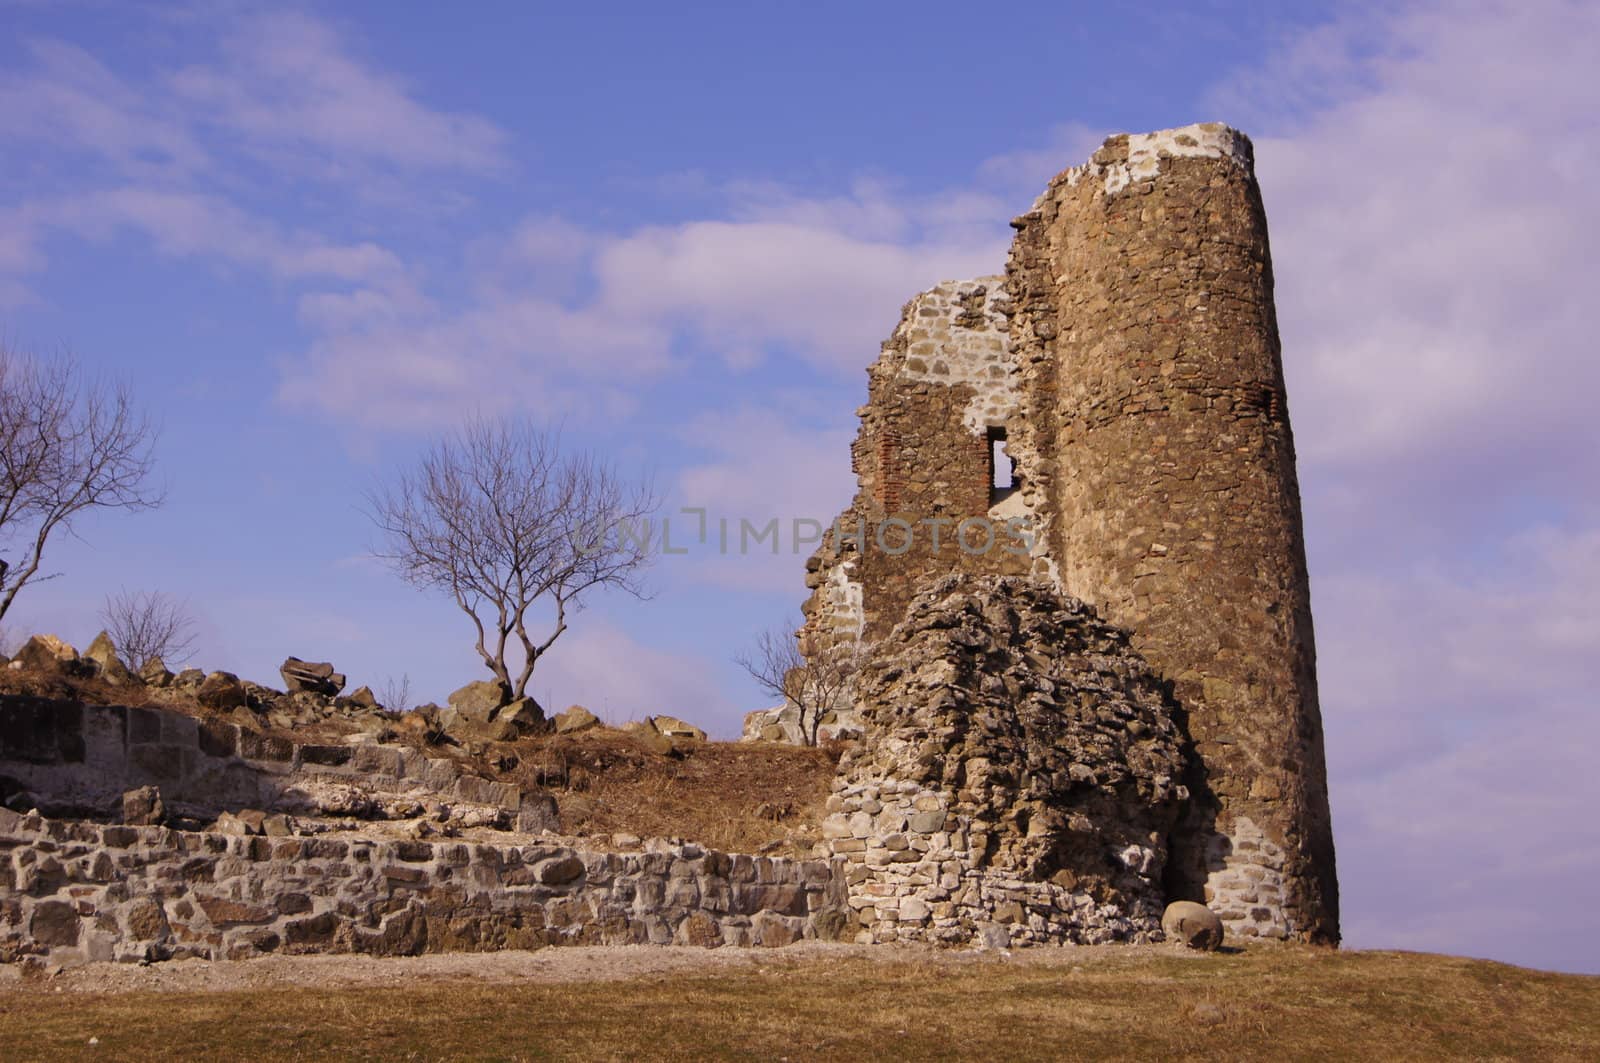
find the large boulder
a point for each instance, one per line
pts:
(1192, 924)
(221, 691)
(575, 719)
(524, 714)
(103, 653)
(778, 724)
(676, 729)
(782, 724)
(479, 701)
(313, 677)
(47, 653)
(155, 673)
(647, 736)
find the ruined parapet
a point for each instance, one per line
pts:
(1020, 776)
(939, 397)
(1147, 343)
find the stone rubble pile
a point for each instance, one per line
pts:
(782, 724)
(1018, 779)
(312, 696)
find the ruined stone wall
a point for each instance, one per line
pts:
(1020, 776)
(72, 893)
(1131, 357)
(78, 760)
(923, 462)
(1148, 348)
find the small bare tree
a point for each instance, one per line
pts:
(395, 694)
(497, 517)
(144, 625)
(66, 445)
(812, 678)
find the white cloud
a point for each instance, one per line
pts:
(618, 679)
(767, 464)
(179, 154)
(557, 308)
(70, 99)
(1432, 235)
(286, 80)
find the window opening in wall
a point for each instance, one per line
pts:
(1002, 471)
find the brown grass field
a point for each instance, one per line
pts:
(811, 1002)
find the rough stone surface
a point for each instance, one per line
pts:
(782, 723)
(143, 807)
(155, 673)
(478, 701)
(102, 653)
(1192, 924)
(1129, 358)
(575, 719)
(672, 727)
(47, 653)
(1021, 767)
(524, 715)
(222, 691)
(136, 894)
(312, 677)
(79, 760)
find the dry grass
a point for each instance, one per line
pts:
(733, 796)
(1270, 1003)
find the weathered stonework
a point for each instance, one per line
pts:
(78, 760)
(72, 893)
(1131, 360)
(923, 462)
(1020, 777)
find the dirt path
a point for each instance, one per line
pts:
(551, 965)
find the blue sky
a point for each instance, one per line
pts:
(313, 236)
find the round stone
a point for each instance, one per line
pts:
(1192, 924)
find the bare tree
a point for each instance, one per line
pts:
(144, 625)
(497, 517)
(812, 678)
(395, 694)
(66, 445)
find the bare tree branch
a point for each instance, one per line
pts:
(66, 445)
(395, 694)
(145, 625)
(811, 678)
(498, 518)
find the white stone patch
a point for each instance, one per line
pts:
(1249, 892)
(977, 354)
(1211, 140)
(848, 606)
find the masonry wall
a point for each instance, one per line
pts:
(1131, 355)
(1145, 333)
(79, 892)
(922, 458)
(78, 760)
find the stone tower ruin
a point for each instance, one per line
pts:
(1128, 365)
